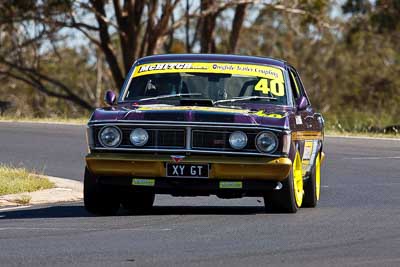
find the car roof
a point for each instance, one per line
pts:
(212, 58)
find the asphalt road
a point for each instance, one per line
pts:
(357, 222)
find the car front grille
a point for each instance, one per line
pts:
(201, 139)
(219, 140)
(158, 138)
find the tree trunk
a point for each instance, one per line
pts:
(237, 23)
(207, 44)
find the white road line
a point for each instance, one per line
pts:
(80, 229)
(15, 208)
(373, 158)
(376, 262)
(43, 228)
(364, 137)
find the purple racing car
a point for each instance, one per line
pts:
(199, 125)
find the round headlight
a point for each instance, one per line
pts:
(139, 137)
(267, 142)
(238, 140)
(110, 136)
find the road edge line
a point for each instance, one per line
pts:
(363, 137)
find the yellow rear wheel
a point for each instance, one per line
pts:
(318, 177)
(312, 186)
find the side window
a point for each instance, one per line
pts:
(294, 85)
(298, 85)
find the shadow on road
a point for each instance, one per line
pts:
(77, 210)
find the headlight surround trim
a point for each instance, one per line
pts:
(141, 142)
(244, 137)
(117, 130)
(272, 136)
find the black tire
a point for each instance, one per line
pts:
(283, 200)
(97, 199)
(137, 202)
(310, 189)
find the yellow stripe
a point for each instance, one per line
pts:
(207, 67)
(306, 135)
(212, 109)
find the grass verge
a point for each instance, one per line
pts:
(18, 180)
(62, 120)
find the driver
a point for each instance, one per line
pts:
(164, 84)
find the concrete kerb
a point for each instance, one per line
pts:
(65, 190)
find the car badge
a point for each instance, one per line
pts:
(219, 142)
(177, 159)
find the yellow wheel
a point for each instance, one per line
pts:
(312, 186)
(318, 177)
(298, 180)
(290, 198)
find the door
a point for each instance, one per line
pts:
(308, 124)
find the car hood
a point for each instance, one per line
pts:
(267, 116)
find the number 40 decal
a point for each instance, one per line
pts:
(275, 87)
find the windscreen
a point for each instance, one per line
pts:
(205, 80)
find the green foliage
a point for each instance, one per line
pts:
(350, 73)
(17, 180)
(70, 66)
(350, 64)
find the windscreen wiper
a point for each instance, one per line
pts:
(244, 98)
(168, 96)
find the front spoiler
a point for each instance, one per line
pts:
(221, 167)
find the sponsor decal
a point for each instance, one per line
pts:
(165, 66)
(262, 113)
(308, 148)
(231, 185)
(143, 182)
(299, 120)
(272, 73)
(177, 158)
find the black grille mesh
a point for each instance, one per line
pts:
(219, 140)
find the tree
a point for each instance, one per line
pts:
(121, 30)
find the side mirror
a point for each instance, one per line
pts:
(302, 103)
(110, 98)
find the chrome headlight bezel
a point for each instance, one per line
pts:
(233, 137)
(273, 137)
(117, 131)
(135, 133)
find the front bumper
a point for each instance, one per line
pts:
(221, 167)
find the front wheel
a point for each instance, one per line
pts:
(97, 199)
(290, 198)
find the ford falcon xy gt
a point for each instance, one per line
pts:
(199, 125)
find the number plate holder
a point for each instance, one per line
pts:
(187, 170)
